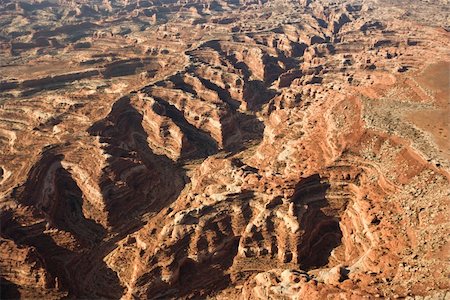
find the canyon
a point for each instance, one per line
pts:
(224, 149)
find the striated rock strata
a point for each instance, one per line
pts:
(224, 149)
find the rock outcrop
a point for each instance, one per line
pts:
(224, 149)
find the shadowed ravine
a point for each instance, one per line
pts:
(228, 149)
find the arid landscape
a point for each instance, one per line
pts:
(225, 149)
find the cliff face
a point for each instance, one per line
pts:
(227, 149)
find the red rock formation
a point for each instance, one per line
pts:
(224, 149)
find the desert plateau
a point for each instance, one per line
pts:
(225, 149)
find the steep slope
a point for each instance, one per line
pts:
(224, 149)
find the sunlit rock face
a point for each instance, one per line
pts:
(224, 149)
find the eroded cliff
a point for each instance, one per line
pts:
(224, 149)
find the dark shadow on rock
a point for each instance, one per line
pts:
(251, 128)
(197, 280)
(320, 223)
(63, 206)
(8, 290)
(224, 94)
(155, 185)
(256, 94)
(204, 142)
(57, 261)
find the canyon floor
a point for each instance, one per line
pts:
(224, 149)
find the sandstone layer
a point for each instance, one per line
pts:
(233, 149)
